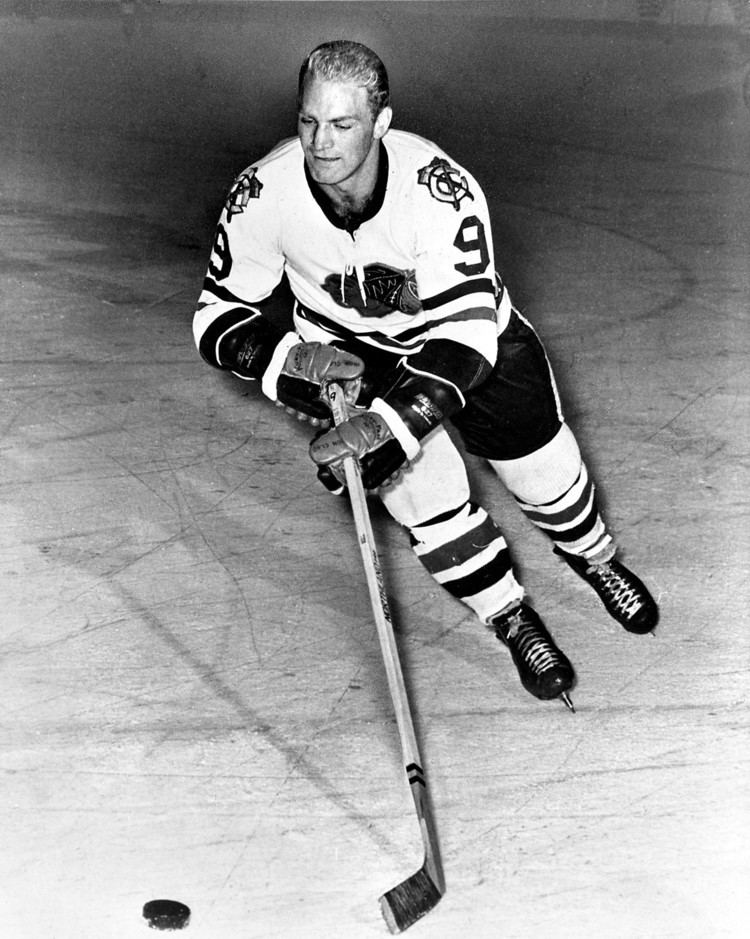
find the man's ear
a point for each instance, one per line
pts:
(382, 123)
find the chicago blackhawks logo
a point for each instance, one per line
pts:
(445, 182)
(246, 187)
(384, 290)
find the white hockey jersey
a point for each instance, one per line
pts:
(416, 276)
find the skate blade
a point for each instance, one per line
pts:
(568, 703)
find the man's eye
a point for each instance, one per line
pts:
(343, 126)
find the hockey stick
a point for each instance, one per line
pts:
(405, 903)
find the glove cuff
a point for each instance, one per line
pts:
(272, 372)
(397, 427)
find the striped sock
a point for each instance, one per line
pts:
(573, 520)
(466, 553)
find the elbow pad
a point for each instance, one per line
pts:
(247, 349)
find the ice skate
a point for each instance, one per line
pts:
(543, 669)
(624, 596)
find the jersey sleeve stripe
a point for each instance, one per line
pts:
(479, 285)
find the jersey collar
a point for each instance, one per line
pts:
(371, 209)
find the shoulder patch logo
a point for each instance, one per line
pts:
(445, 182)
(246, 187)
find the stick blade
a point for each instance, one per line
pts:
(408, 901)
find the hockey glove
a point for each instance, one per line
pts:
(389, 434)
(292, 373)
(327, 476)
(368, 438)
(307, 368)
(332, 477)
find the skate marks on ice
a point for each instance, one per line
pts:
(156, 657)
(150, 652)
(196, 707)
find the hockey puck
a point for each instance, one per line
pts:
(166, 914)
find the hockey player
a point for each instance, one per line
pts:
(387, 245)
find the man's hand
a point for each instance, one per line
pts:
(367, 438)
(308, 367)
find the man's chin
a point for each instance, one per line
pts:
(323, 172)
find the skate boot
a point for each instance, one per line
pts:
(543, 669)
(625, 598)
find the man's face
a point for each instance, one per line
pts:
(338, 131)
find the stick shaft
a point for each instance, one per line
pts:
(389, 649)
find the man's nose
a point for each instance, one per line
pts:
(322, 137)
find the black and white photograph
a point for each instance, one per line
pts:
(374, 469)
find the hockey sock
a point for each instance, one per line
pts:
(553, 488)
(466, 553)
